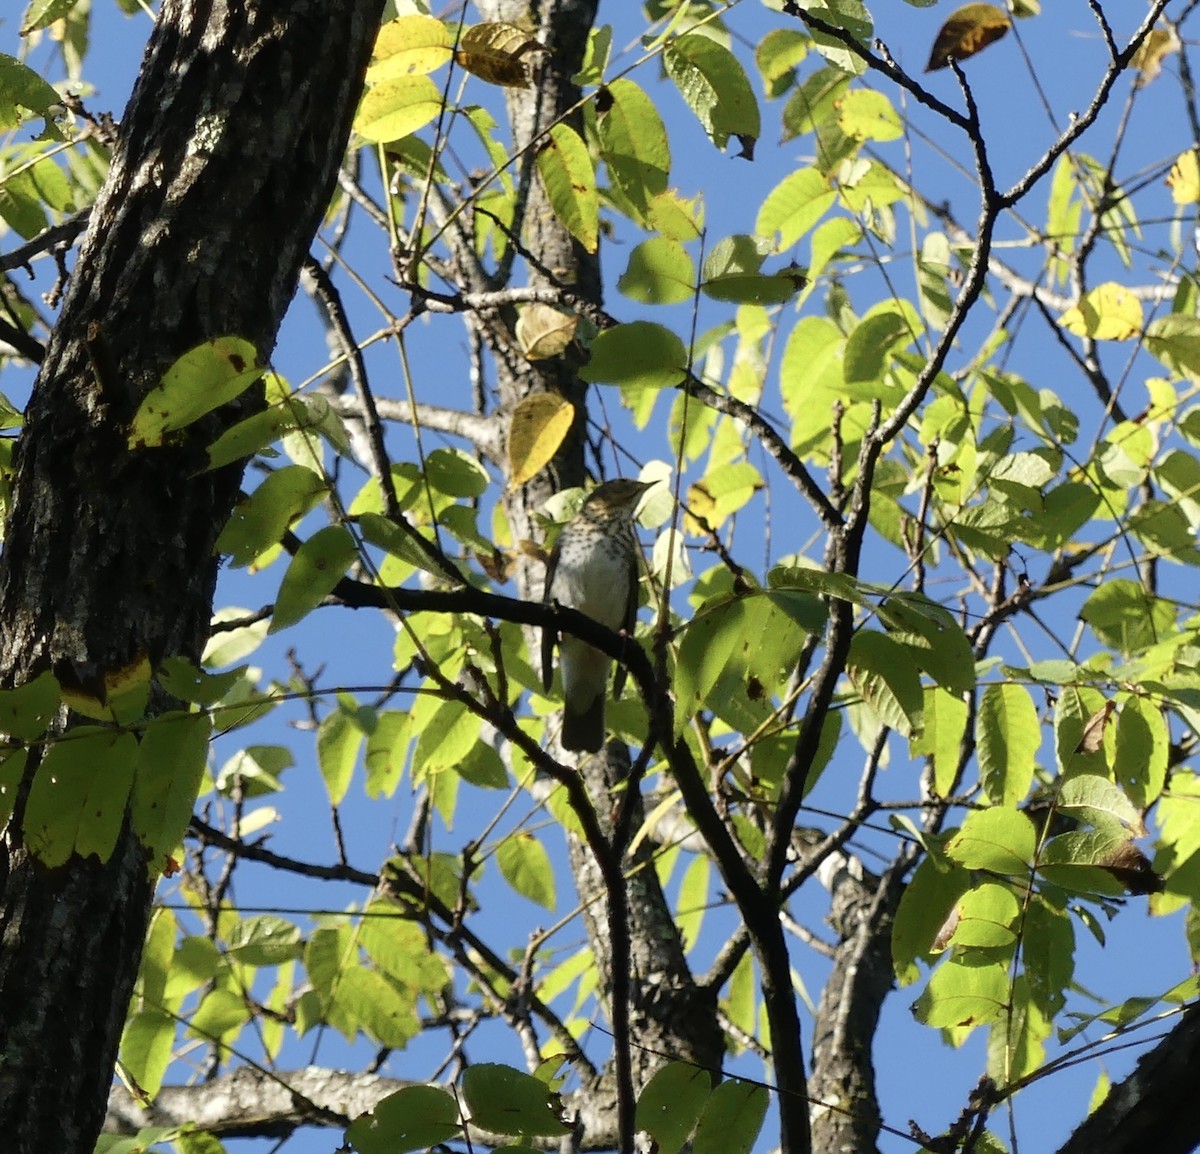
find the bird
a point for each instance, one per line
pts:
(592, 568)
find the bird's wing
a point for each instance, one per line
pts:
(549, 636)
(628, 625)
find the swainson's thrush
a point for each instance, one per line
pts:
(593, 568)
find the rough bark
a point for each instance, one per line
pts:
(1154, 1108)
(845, 1110)
(227, 156)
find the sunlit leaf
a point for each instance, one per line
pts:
(1184, 178)
(1007, 733)
(716, 88)
(1109, 312)
(539, 425)
(565, 166)
(393, 109)
(317, 567)
(526, 867)
(203, 379)
(407, 46)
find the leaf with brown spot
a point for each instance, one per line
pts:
(967, 31)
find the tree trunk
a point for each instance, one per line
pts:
(226, 160)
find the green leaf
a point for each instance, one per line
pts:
(1096, 800)
(170, 767)
(870, 345)
(1142, 751)
(814, 103)
(27, 710)
(43, 13)
(264, 940)
(12, 773)
(853, 18)
(185, 681)
(1007, 735)
(999, 839)
(1175, 340)
(525, 865)
(393, 109)
(339, 740)
(924, 907)
(146, 1047)
(692, 900)
(1127, 617)
(456, 473)
(794, 206)
(659, 272)
(379, 530)
(262, 429)
(565, 166)
(941, 739)
(986, 915)
(414, 1118)
(399, 947)
(885, 674)
(444, 738)
(777, 55)
(866, 114)
(716, 88)
(633, 143)
(79, 794)
(1076, 861)
(640, 354)
(384, 1010)
(387, 750)
(319, 564)
(1048, 951)
(203, 379)
(964, 993)
(220, 1016)
(670, 1104)
(507, 1101)
(732, 1118)
(21, 87)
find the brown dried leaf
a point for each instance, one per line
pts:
(967, 31)
(495, 52)
(1092, 737)
(1133, 870)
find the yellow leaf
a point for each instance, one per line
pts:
(409, 46)
(1147, 60)
(494, 52)
(1110, 312)
(1184, 179)
(967, 31)
(539, 425)
(394, 109)
(544, 332)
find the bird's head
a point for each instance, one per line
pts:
(616, 498)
